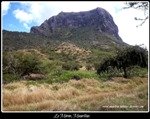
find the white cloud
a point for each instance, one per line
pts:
(23, 16)
(38, 12)
(5, 7)
(32, 12)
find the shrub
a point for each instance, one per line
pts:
(21, 63)
(7, 78)
(71, 65)
(28, 64)
(9, 63)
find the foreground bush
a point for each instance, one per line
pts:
(21, 63)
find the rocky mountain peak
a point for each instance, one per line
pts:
(97, 19)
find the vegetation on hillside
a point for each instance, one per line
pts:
(61, 67)
(82, 37)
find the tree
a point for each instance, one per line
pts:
(139, 6)
(126, 58)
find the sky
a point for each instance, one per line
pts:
(21, 16)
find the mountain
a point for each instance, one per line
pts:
(67, 24)
(87, 29)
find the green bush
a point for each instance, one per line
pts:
(9, 63)
(28, 64)
(70, 65)
(49, 66)
(7, 78)
(22, 63)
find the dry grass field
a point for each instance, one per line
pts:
(118, 94)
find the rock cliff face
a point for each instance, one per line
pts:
(97, 19)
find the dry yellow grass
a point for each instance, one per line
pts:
(82, 95)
